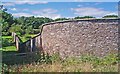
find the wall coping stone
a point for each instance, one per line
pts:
(75, 20)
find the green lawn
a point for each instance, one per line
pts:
(7, 37)
(13, 48)
(32, 35)
(8, 48)
(23, 39)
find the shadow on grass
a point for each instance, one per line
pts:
(15, 58)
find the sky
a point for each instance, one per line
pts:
(64, 0)
(60, 9)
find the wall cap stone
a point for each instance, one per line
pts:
(75, 20)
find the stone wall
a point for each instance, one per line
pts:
(78, 37)
(16, 40)
(31, 45)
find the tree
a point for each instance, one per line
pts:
(110, 16)
(7, 21)
(29, 30)
(15, 28)
(84, 17)
(61, 19)
(2, 8)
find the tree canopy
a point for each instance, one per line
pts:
(21, 24)
(61, 19)
(110, 16)
(84, 17)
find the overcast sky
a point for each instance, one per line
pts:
(60, 9)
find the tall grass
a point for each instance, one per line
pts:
(44, 63)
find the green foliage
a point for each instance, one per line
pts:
(36, 31)
(7, 21)
(44, 58)
(110, 59)
(84, 17)
(61, 19)
(5, 33)
(6, 42)
(28, 37)
(55, 57)
(9, 48)
(15, 28)
(44, 62)
(22, 24)
(29, 30)
(35, 22)
(110, 16)
(7, 37)
(40, 62)
(31, 25)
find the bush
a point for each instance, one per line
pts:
(36, 31)
(6, 42)
(18, 33)
(55, 57)
(27, 36)
(5, 33)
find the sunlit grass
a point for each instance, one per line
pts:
(8, 48)
(24, 38)
(7, 37)
(13, 48)
(32, 35)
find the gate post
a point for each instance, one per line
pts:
(31, 45)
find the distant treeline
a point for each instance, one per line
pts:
(30, 25)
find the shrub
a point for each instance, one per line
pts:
(6, 42)
(36, 31)
(55, 57)
(28, 37)
(5, 33)
(18, 33)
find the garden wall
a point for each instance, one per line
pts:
(78, 37)
(97, 37)
(31, 45)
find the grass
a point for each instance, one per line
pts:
(7, 37)
(13, 48)
(8, 48)
(39, 62)
(32, 35)
(24, 38)
(55, 64)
